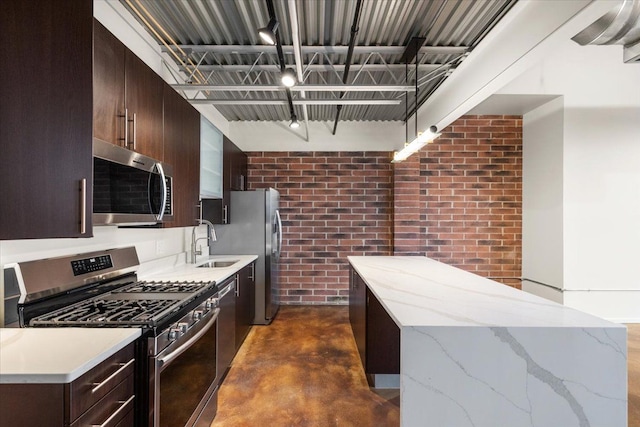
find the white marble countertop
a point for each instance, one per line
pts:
(474, 352)
(193, 272)
(419, 291)
(57, 355)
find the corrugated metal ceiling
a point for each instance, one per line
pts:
(219, 45)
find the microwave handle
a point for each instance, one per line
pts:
(164, 192)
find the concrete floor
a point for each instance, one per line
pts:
(304, 371)
(633, 364)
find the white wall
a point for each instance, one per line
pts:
(601, 174)
(542, 200)
(350, 136)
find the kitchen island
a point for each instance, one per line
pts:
(474, 352)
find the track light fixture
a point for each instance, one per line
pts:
(415, 145)
(294, 122)
(268, 33)
(289, 78)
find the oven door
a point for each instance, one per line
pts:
(184, 389)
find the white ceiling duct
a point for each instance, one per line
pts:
(621, 25)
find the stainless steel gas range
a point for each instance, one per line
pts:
(176, 375)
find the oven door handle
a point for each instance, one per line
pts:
(164, 361)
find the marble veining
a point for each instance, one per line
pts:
(534, 369)
(477, 353)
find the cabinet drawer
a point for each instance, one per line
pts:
(99, 381)
(113, 409)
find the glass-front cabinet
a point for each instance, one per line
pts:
(210, 160)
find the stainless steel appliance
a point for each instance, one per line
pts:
(256, 229)
(176, 371)
(129, 188)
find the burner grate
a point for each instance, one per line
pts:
(101, 312)
(166, 287)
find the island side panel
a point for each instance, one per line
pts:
(490, 376)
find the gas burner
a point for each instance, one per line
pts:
(102, 312)
(166, 287)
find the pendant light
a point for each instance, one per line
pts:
(421, 138)
(268, 33)
(295, 124)
(288, 78)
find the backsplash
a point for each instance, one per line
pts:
(458, 201)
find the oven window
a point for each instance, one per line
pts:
(184, 383)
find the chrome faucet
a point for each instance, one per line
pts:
(211, 237)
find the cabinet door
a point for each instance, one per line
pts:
(237, 168)
(108, 86)
(383, 339)
(358, 313)
(245, 303)
(143, 99)
(46, 112)
(211, 153)
(182, 152)
(218, 211)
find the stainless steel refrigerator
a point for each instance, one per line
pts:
(255, 228)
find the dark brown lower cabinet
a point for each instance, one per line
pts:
(104, 393)
(245, 303)
(376, 334)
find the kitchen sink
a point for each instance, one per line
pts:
(218, 264)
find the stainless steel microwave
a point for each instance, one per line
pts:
(129, 188)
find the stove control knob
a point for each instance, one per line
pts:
(211, 303)
(174, 333)
(197, 315)
(182, 327)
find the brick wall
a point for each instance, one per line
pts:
(472, 190)
(333, 205)
(458, 201)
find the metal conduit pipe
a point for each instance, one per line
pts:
(297, 52)
(352, 42)
(272, 15)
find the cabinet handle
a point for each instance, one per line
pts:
(225, 214)
(125, 140)
(123, 366)
(83, 205)
(237, 286)
(125, 403)
(134, 130)
(242, 183)
(253, 272)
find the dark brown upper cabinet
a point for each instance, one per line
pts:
(45, 119)
(182, 151)
(127, 98)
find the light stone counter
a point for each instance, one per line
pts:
(57, 355)
(478, 353)
(188, 272)
(60, 355)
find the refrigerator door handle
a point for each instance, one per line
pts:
(279, 232)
